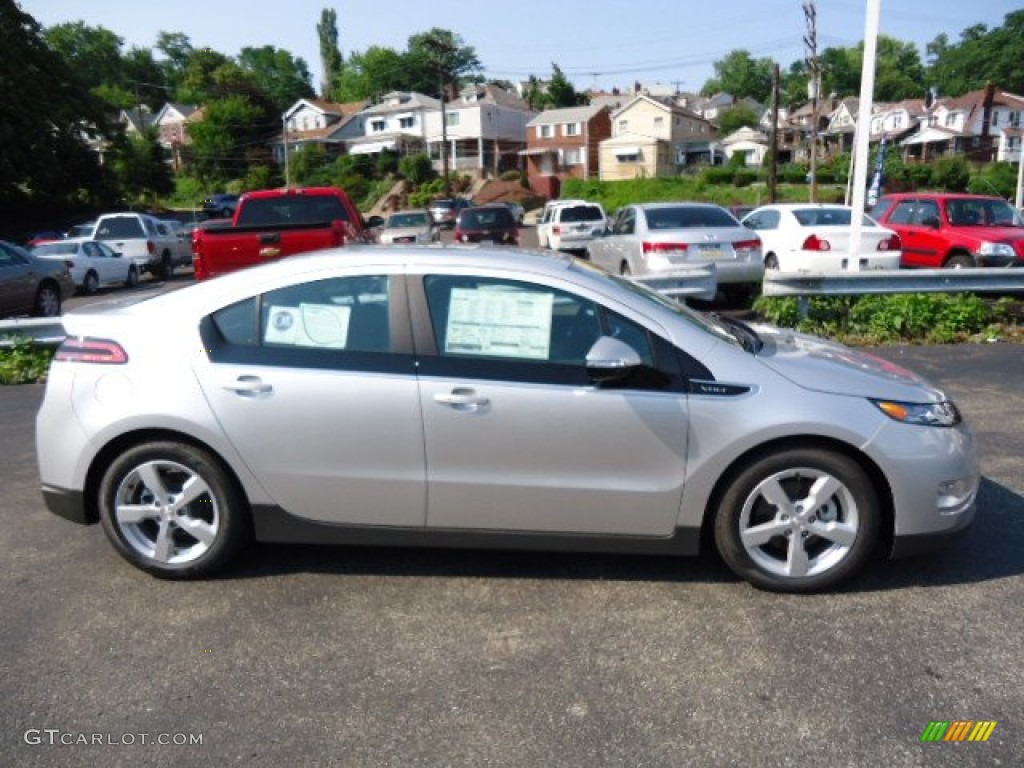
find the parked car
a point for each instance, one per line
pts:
(491, 398)
(816, 236)
(445, 212)
(544, 222)
(408, 227)
(221, 205)
(84, 230)
(487, 224)
(92, 264)
(181, 240)
(143, 239)
(518, 212)
(573, 225)
(46, 236)
(30, 285)
(953, 230)
(664, 239)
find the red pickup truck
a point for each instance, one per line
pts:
(273, 223)
(953, 230)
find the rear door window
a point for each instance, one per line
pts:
(120, 228)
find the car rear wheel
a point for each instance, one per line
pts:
(960, 261)
(771, 261)
(47, 301)
(172, 510)
(624, 269)
(133, 277)
(798, 520)
(166, 267)
(91, 283)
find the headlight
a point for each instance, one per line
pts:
(925, 414)
(996, 249)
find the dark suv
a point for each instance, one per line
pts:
(220, 205)
(490, 224)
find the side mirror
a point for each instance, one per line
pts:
(611, 360)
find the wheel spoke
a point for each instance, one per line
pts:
(796, 561)
(149, 475)
(132, 514)
(164, 546)
(842, 534)
(776, 495)
(758, 535)
(193, 488)
(821, 491)
(200, 530)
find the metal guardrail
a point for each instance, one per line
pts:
(48, 331)
(875, 281)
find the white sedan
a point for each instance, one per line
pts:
(92, 264)
(816, 237)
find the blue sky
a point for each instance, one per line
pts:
(595, 42)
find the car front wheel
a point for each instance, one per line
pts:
(172, 510)
(798, 520)
(47, 301)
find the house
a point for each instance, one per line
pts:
(397, 123)
(750, 143)
(317, 122)
(485, 129)
(563, 144)
(841, 131)
(667, 137)
(982, 126)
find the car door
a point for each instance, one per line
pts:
(614, 249)
(315, 386)
(96, 260)
(519, 439)
(17, 282)
(906, 219)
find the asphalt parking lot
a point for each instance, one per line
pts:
(387, 657)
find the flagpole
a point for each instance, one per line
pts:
(867, 89)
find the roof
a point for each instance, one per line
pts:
(402, 101)
(565, 115)
(493, 94)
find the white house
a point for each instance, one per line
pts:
(314, 121)
(748, 142)
(397, 123)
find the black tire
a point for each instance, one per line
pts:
(48, 301)
(771, 261)
(166, 267)
(960, 261)
(91, 283)
(172, 540)
(798, 548)
(624, 269)
(133, 276)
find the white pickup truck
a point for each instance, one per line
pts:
(146, 240)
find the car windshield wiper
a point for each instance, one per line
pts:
(743, 333)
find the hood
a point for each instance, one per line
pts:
(392, 232)
(826, 366)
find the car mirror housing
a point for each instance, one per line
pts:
(611, 360)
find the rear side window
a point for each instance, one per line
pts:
(120, 228)
(575, 213)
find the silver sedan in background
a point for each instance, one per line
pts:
(665, 239)
(488, 397)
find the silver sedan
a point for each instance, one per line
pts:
(488, 398)
(668, 239)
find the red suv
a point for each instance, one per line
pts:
(953, 230)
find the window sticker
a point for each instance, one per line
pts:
(308, 325)
(502, 323)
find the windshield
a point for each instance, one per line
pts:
(401, 220)
(689, 216)
(982, 212)
(573, 213)
(705, 322)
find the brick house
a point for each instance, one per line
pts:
(564, 144)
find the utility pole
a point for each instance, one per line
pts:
(442, 52)
(284, 136)
(813, 87)
(773, 164)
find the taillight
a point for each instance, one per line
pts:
(815, 243)
(150, 246)
(86, 350)
(891, 243)
(665, 247)
(747, 245)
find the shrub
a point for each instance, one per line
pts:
(951, 174)
(744, 178)
(417, 169)
(24, 363)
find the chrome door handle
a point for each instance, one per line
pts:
(248, 385)
(461, 397)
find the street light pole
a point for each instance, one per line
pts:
(444, 134)
(284, 134)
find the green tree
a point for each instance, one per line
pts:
(283, 78)
(139, 167)
(981, 56)
(44, 160)
(306, 163)
(951, 174)
(741, 75)
(221, 139)
(373, 73)
(441, 51)
(93, 53)
(330, 56)
(736, 117)
(417, 169)
(560, 92)
(177, 51)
